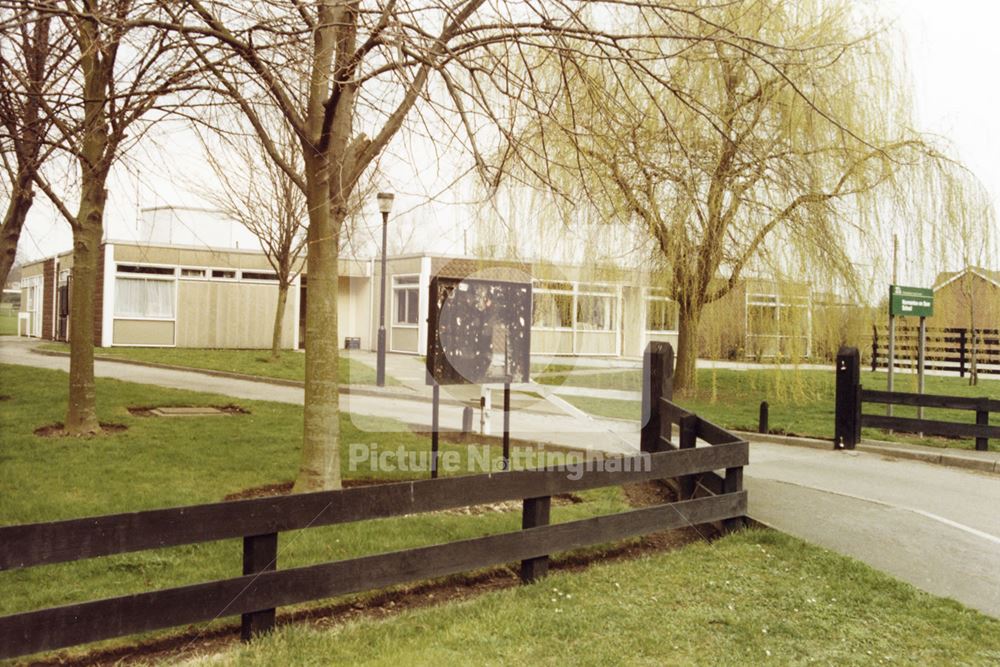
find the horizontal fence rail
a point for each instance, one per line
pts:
(707, 497)
(980, 430)
(851, 397)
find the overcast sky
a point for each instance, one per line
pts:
(951, 48)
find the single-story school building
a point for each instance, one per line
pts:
(205, 286)
(185, 296)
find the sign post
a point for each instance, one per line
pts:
(910, 302)
(479, 332)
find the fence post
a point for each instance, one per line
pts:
(260, 554)
(983, 419)
(733, 483)
(688, 426)
(847, 425)
(961, 353)
(874, 348)
(762, 418)
(657, 383)
(535, 512)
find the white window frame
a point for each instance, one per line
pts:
(175, 278)
(34, 286)
(564, 292)
(398, 287)
(259, 281)
(205, 272)
(612, 291)
(777, 301)
(148, 278)
(650, 296)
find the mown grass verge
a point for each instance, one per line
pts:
(756, 597)
(163, 462)
(800, 402)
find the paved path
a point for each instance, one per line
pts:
(935, 527)
(588, 433)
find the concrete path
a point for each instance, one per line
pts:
(613, 436)
(936, 527)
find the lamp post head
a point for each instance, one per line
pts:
(385, 201)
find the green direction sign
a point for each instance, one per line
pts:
(911, 301)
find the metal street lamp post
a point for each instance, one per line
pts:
(384, 205)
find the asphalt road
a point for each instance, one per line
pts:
(935, 527)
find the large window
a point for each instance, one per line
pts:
(406, 298)
(595, 312)
(574, 307)
(661, 312)
(144, 298)
(552, 310)
(778, 324)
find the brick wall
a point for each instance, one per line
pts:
(48, 299)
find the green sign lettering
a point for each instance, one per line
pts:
(910, 301)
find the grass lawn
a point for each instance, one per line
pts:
(800, 402)
(732, 601)
(8, 323)
(289, 366)
(755, 597)
(161, 462)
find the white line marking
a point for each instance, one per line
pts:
(929, 515)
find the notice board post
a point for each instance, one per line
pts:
(910, 302)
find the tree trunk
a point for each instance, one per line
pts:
(685, 376)
(279, 318)
(320, 464)
(81, 414)
(13, 222)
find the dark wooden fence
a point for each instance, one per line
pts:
(850, 417)
(708, 498)
(948, 349)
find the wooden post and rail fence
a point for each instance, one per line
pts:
(851, 397)
(706, 497)
(948, 349)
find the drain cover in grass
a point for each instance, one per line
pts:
(201, 411)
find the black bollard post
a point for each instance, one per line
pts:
(762, 426)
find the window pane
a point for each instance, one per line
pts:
(594, 313)
(400, 306)
(762, 320)
(156, 270)
(413, 306)
(259, 275)
(552, 310)
(144, 298)
(661, 315)
(160, 298)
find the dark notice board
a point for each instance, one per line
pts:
(478, 331)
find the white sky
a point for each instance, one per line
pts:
(952, 52)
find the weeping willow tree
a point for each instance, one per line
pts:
(728, 158)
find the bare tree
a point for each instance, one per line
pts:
(460, 70)
(124, 76)
(256, 192)
(727, 157)
(31, 53)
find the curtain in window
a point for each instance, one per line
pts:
(138, 297)
(594, 313)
